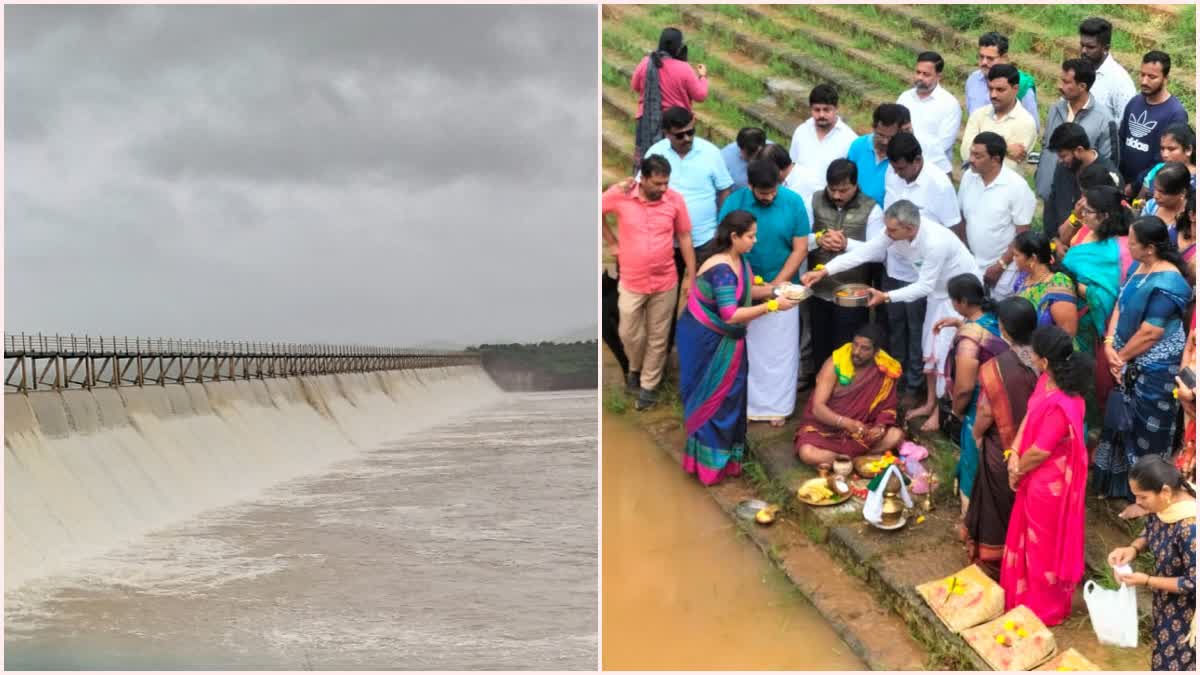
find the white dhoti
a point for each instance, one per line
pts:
(773, 348)
(934, 349)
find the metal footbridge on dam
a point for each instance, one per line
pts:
(52, 362)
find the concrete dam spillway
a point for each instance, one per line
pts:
(87, 470)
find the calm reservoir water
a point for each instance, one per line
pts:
(469, 546)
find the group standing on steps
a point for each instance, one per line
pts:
(1059, 350)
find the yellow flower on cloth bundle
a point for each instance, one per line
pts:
(758, 281)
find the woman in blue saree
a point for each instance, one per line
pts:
(1144, 345)
(711, 339)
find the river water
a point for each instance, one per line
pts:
(468, 546)
(682, 590)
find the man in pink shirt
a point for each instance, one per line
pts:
(650, 217)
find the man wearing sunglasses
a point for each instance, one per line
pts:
(699, 173)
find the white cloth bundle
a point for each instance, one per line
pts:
(873, 508)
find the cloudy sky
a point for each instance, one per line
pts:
(391, 175)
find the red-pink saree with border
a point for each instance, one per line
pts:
(1044, 550)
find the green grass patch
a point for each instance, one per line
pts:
(615, 400)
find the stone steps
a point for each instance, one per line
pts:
(893, 563)
(623, 101)
(1063, 48)
(778, 121)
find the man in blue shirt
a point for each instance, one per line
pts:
(772, 341)
(698, 171)
(1146, 116)
(738, 154)
(869, 151)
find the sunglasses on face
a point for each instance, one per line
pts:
(685, 134)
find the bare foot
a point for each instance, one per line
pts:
(1132, 511)
(932, 423)
(918, 412)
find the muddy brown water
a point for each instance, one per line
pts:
(682, 588)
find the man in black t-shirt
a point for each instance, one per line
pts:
(1075, 153)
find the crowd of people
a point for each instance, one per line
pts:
(1060, 356)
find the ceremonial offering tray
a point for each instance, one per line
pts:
(894, 526)
(851, 295)
(816, 492)
(869, 466)
(794, 292)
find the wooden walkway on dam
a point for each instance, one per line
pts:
(37, 361)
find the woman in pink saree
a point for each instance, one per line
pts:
(1043, 552)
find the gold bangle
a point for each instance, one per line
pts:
(1108, 340)
(772, 305)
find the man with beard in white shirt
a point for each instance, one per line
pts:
(940, 256)
(823, 137)
(1113, 87)
(936, 114)
(997, 205)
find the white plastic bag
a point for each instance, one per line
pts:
(1114, 614)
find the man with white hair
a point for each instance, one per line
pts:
(939, 255)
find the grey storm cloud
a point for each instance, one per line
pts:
(386, 174)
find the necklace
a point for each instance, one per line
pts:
(1031, 281)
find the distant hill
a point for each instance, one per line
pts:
(542, 367)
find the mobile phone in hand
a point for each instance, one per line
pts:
(1188, 377)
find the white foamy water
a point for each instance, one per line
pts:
(431, 524)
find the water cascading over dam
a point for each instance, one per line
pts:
(89, 469)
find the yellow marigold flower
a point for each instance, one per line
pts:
(819, 234)
(1010, 625)
(1021, 632)
(1001, 639)
(1053, 245)
(920, 519)
(1072, 219)
(818, 267)
(758, 281)
(1175, 392)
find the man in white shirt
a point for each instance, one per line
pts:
(997, 205)
(910, 178)
(1004, 117)
(935, 112)
(1114, 87)
(823, 137)
(940, 255)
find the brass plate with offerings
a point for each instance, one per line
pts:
(793, 292)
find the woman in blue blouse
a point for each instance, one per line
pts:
(1144, 345)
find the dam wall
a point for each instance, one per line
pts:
(89, 469)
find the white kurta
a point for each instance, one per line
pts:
(773, 349)
(938, 255)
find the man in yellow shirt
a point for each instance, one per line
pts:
(1004, 117)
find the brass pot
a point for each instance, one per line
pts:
(893, 509)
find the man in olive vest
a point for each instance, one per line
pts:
(843, 217)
